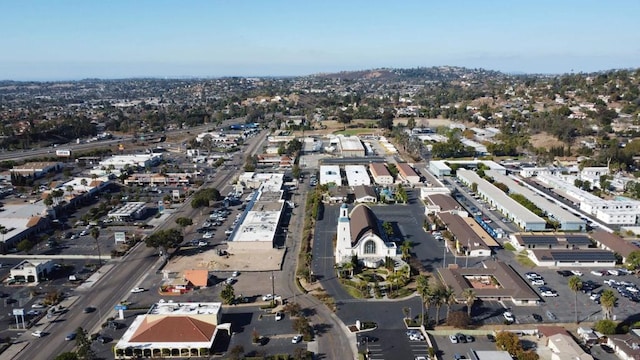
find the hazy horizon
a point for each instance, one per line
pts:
(73, 39)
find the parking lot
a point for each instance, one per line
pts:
(447, 349)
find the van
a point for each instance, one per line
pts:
(73, 278)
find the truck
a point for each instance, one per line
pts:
(63, 152)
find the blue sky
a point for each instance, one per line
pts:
(64, 39)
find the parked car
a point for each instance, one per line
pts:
(551, 316)
(296, 339)
(453, 339)
(537, 282)
(537, 317)
(577, 272)
(38, 333)
(491, 338)
(532, 276)
(564, 273)
(508, 315)
(597, 273)
(267, 297)
(549, 293)
(279, 316)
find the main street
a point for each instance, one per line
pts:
(126, 273)
(114, 286)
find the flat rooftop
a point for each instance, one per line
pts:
(185, 308)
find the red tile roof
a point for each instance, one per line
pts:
(173, 329)
(198, 277)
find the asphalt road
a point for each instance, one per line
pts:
(109, 290)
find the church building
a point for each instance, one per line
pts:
(359, 233)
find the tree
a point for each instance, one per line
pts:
(607, 301)
(439, 299)
(575, 284)
(469, 298)
(422, 288)
(24, 245)
(405, 248)
(301, 326)
(508, 341)
(66, 356)
(48, 200)
(387, 227)
(633, 260)
(183, 222)
(236, 352)
(293, 309)
(228, 295)
(606, 327)
(83, 344)
(450, 298)
(164, 239)
(458, 319)
(95, 234)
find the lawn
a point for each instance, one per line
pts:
(357, 131)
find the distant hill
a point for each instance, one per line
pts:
(436, 73)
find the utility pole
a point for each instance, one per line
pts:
(273, 287)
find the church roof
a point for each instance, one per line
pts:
(363, 222)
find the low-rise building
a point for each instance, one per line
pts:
(31, 271)
(408, 174)
(36, 169)
(381, 174)
(357, 175)
(330, 175)
(350, 146)
(496, 281)
(468, 242)
(129, 211)
(626, 346)
(173, 329)
(365, 194)
(563, 347)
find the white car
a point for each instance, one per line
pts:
(38, 333)
(576, 272)
(137, 290)
(549, 293)
(38, 306)
(202, 243)
(597, 273)
(509, 316)
(613, 272)
(235, 274)
(267, 297)
(537, 282)
(532, 276)
(207, 235)
(296, 339)
(453, 339)
(279, 316)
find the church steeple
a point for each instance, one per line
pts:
(343, 243)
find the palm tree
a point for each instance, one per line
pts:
(405, 248)
(95, 234)
(575, 284)
(449, 298)
(422, 289)
(394, 279)
(608, 301)
(439, 299)
(428, 301)
(469, 298)
(348, 267)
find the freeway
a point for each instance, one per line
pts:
(127, 139)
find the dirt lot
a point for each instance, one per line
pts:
(263, 260)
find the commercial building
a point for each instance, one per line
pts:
(615, 212)
(177, 179)
(626, 346)
(135, 161)
(495, 281)
(36, 169)
(173, 330)
(613, 243)
(567, 220)
(572, 258)
(550, 241)
(381, 174)
(359, 233)
(408, 174)
(510, 208)
(441, 167)
(350, 146)
(258, 225)
(489, 355)
(129, 211)
(470, 239)
(357, 175)
(31, 271)
(330, 175)
(23, 219)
